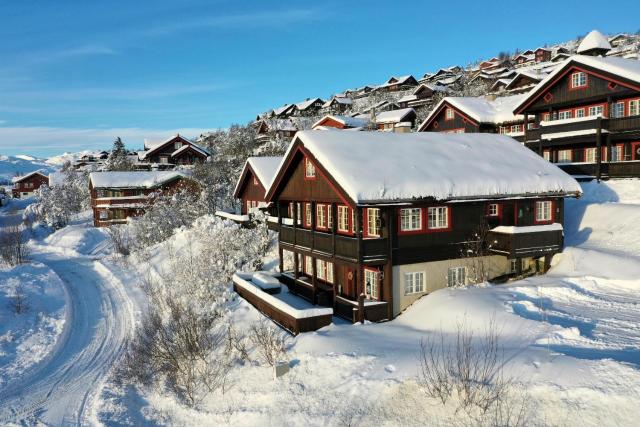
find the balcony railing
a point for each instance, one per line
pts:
(532, 241)
(608, 124)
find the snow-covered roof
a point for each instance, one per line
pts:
(265, 168)
(409, 166)
(187, 147)
(434, 87)
(480, 109)
(626, 68)
(345, 120)
(142, 179)
(339, 100)
(308, 103)
(397, 80)
(280, 110)
(594, 40)
(29, 175)
(394, 116)
(151, 145)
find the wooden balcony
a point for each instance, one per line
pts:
(374, 311)
(317, 241)
(608, 124)
(532, 241)
(626, 169)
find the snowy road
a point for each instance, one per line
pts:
(60, 390)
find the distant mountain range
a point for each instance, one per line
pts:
(11, 166)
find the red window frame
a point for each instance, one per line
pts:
(315, 171)
(425, 216)
(535, 212)
(498, 210)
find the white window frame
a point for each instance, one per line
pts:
(177, 145)
(590, 155)
(493, 210)
(616, 153)
(546, 155)
(329, 217)
(579, 112)
(410, 219)
(373, 222)
(414, 282)
(343, 218)
(307, 215)
(309, 169)
(449, 114)
(544, 211)
(456, 276)
(299, 213)
(372, 277)
(634, 107)
(596, 110)
(578, 79)
(438, 218)
(564, 156)
(617, 109)
(104, 214)
(566, 114)
(321, 216)
(308, 265)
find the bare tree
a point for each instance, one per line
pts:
(475, 252)
(18, 300)
(269, 340)
(13, 245)
(121, 239)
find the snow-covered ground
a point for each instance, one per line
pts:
(11, 166)
(571, 338)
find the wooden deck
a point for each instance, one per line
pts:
(287, 310)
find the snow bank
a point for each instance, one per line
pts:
(28, 338)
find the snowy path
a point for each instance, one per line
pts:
(60, 390)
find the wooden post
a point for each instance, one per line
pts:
(334, 225)
(547, 263)
(361, 308)
(296, 265)
(314, 283)
(598, 148)
(526, 131)
(608, 138)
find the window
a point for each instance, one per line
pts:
(177, 145)
(546, 155)
(371, 283)
(546, 117)
(413, 283)
(321, 216)
(617, 109)
(544, 211)
(564, 156)
(329, 218)
(564, 115)
(118, 214)
(308, 265)
(101, 193)
(493, 209)
(324, 270)
(309, 169)
(298, 213)
(578, 79)
(255, 180)
(634, 107)
(457, 276)
(164, 159)
(410, 219)
(104, 214)
(590, 155)
(343, 218)
(596, 110)
(580, 112)
(307, 211)
(449, 114)
(515, 128)
(438, 218)
(373, 222)
(616, 153)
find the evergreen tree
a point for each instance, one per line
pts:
(117, 160)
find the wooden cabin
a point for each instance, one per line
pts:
(542, 54)
(268, 129)
(337, 105)
(176, 150)
(476, 115)
(26, 185)
(585, 116)
(594, 44)
(387, 215)
(309, 107)
(341, 122)
(254, 180)
(117, 196)
(398, 83)
(391, 120)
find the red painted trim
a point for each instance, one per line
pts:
(409, 232)
(535, 212)
(438, 230)
(635, 147)
(440, 111)
(315, 170)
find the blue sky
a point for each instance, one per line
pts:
(75, 74)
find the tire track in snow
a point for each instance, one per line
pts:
(61, 390)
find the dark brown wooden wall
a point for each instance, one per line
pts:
(298, 188)
(457, 122)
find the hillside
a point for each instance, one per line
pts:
(11, 166)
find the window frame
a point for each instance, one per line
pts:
(457, 276)
(309, 169)
(308, 219)
(321, 216)
(490, 211)
(414, 288)
(587, 152)
(579, 80)
(401, 217)
(537, 210)
(374, 295)
(449, 113)
(437, 210)
(344, 209)
(372, 230)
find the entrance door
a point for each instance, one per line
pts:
(350, 281)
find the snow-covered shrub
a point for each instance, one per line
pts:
(13, 245)
(121, 238)
(167, 213)
(57, 204)
(269, 341)
(18, 299)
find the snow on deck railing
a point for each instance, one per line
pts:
(233, 217)
(507, 229)
(571, 120)
(279, 304)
